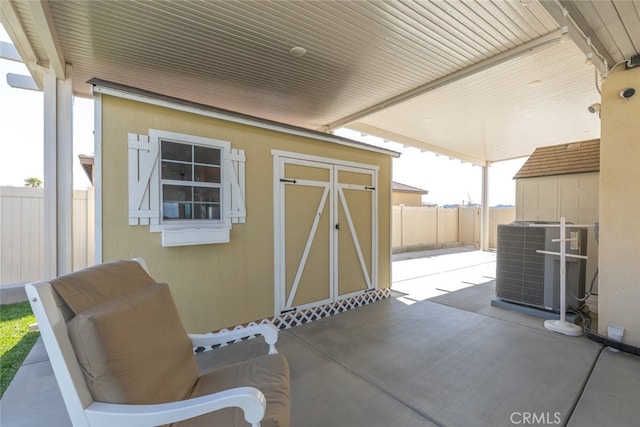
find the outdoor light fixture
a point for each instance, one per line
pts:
(564, 34)
(593, 56)
(298, 52)
(564, 30)
(589, 60)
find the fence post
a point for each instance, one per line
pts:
(437, 225)
(402, 225)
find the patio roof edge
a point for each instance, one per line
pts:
(148, 97)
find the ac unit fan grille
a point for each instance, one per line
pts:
(519, 267)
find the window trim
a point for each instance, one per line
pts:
(156, 137)
(182, 223)
(145, 188)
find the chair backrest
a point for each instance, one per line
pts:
(52, 314)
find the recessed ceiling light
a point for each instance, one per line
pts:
(534, 83)
(298, 52)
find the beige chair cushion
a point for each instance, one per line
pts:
(94, 285)
(133, 348)
(269, 374)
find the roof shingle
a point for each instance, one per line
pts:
(575, 157)
(396, 186)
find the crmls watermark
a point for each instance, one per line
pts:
(535, 418)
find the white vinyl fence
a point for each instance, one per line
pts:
(416, 227)
(22, 230)
(22, 233)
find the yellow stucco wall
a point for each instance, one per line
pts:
(407, 199)
(217, 285)
(619, 280)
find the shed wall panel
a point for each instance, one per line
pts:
(574, 196)
(217, 285)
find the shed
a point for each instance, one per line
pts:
(562, 180)
(407, 195)
(248, 220)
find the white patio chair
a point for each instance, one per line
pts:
(92, 320)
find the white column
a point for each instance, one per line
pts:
(484, 212)
(58, 175)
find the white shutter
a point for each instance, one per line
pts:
(235, 183)
(143, 180)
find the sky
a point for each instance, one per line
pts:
(21, 130)
(449, 181)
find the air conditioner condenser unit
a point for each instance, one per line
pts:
(528, 278)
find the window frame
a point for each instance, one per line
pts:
(193, 184)
(185, 232)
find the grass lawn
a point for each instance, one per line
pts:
(16, 340)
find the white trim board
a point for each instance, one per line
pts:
(97, 174)
(335, 190)
(202, 110)
(319, 159)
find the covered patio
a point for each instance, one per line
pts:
(477, 81)
(447, 360)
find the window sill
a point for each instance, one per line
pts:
(194, 236)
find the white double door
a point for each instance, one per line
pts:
(326, 231)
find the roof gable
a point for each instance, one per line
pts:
(575, 157)
(396, 186)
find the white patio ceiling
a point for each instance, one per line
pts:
(479, 80)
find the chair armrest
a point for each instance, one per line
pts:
(269, 332)
(249, 399)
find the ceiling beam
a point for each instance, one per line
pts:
(421, 145)
(526, 48)
(579, 30)
(13, 26)
(47, 31)
(9, 51)
(19, 81)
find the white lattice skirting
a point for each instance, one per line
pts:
(300, 317)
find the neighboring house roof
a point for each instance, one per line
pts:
(396, 186)
(87, 165)
(575, 157)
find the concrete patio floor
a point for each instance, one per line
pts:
(435, 353)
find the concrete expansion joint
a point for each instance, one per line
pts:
(363, 378)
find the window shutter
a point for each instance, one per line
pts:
(234, 174)
(143, 181)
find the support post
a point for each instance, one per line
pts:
(58, 174)
(484, 210)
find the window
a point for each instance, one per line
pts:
(191, 182)
(189, 188)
